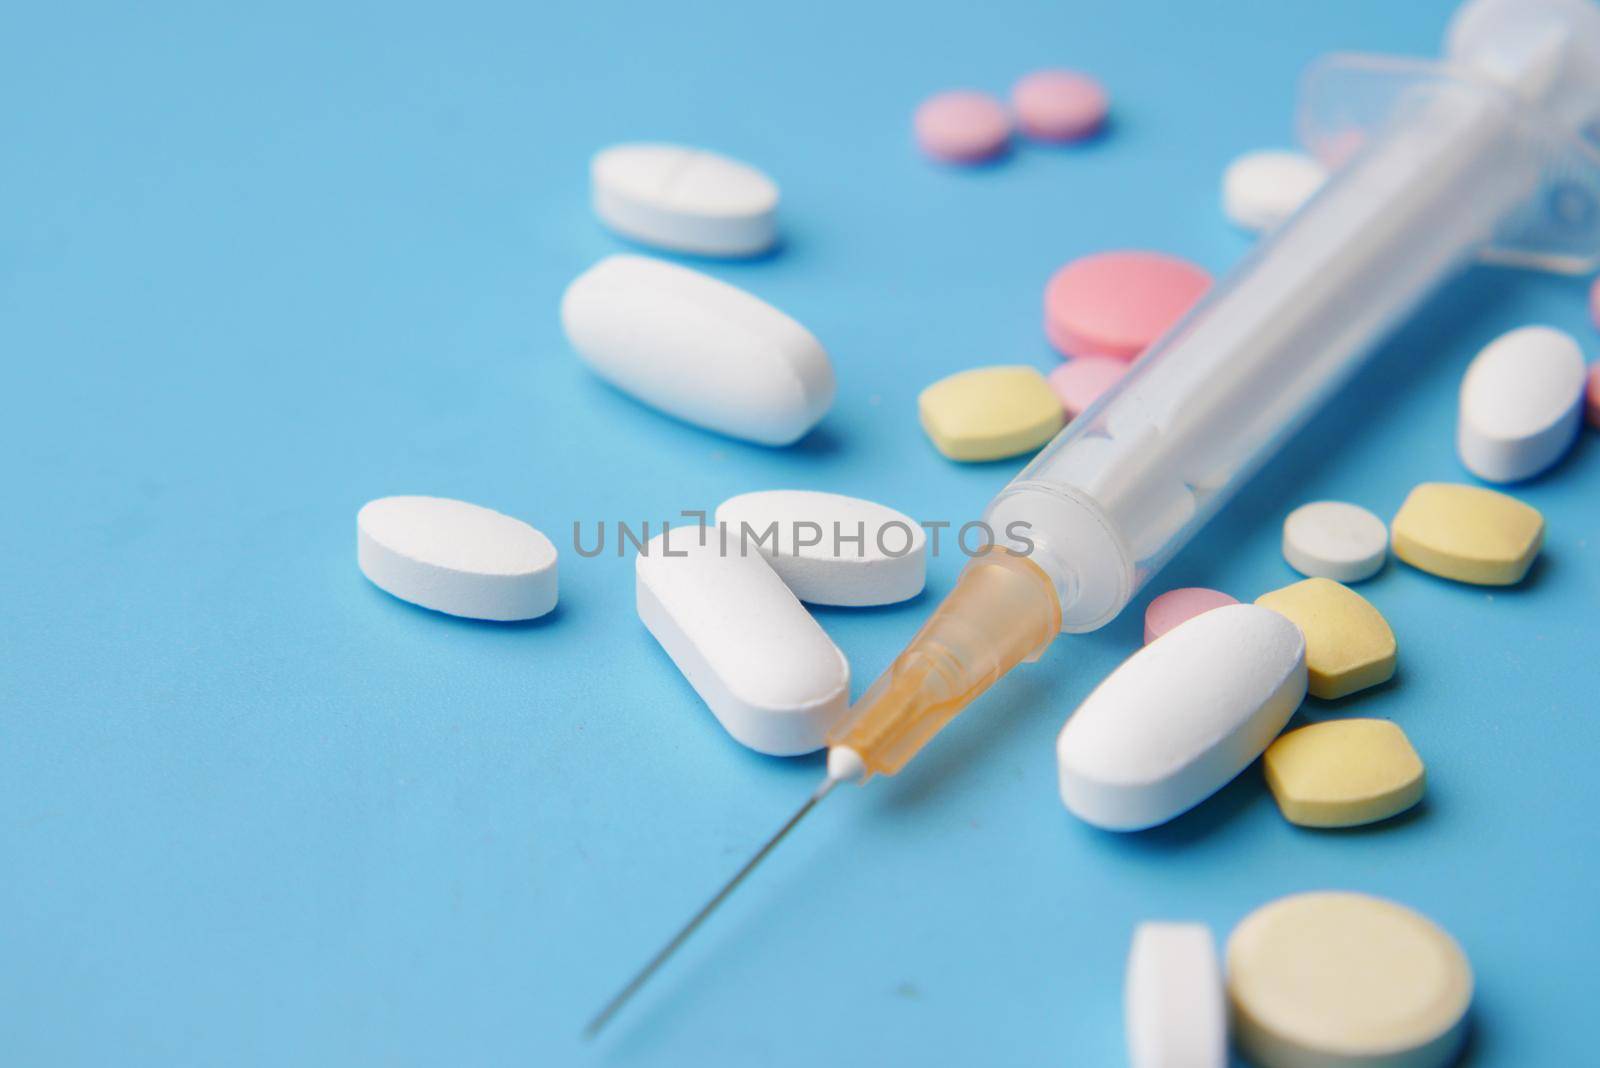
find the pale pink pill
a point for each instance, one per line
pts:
(1059, 105)
(1178, 606)
(1078, 383)
(1117, 303)
(1594, 301)
(962, 126)
(1594, 395)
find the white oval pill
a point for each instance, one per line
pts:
(829, 548)
(456, 557)
(1174, 1007)
(1181, 717)
(684, 199)
(699, 349)
(1335, 540)
(765, 668)
(1261, 189)
(1521, 402)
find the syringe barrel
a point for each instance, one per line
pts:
(1127, 483)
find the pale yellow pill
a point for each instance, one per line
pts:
(1343, 980)
(1467, 533)
(990, 413)
(1343, 773)
(1349, 645)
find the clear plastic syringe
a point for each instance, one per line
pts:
(1489, 153)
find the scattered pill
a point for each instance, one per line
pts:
(1521, 403)
(1349, 645)
(1261, 189)
(1175, 1008)
(1059, 105)
(684, 199)
(1079, 382)
(829, 548)
(1594, 301)
(1337, 978)
(1179, 606)
(1344, 773)
(1467, 533)
(699, 349)
(1181, 717)
(1117, 303)
(962, 126)
(990, 413)
(457, 558)
(1335, 540)
(1593, 395)
(765, 668)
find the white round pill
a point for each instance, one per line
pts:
(1521, 403)
(1261, 189)
(457, 558)
(1335, 540)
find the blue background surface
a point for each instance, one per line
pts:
(260, 266)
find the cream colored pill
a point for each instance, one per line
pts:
(1174, 1008)
(1343, 773)
(1521, 404)
(1335, 540)
(829, 548)
(1467, 533)
(764, 667)
(684, 199)
(1261, 189)
(1343, 980)
(990, 413)
(458, 558)
(1349, 645)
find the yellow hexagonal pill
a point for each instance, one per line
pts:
(1343, 773)
(1349, 645)
(990, 413)
(1467, 533)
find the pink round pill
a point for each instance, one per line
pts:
(1594, 301)
(1178, 606)
(1078, 383)
(962, 126)
(1594, 395)
(1059, 105)
(1116, 303)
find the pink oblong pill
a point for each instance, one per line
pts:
(1179, 606)
(1116, 303)
(1078, 383)
(1594, 301)
(1059, 105)
(962, 126)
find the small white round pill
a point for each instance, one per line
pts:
(1521, 403)
(1261, 189)
(1335, 540)
(457, 558)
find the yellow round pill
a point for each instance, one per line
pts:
(1334, 979)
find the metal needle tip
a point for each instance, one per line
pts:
(643, 975)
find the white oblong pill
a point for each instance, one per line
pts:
(684, 199)
(765, 668)
(1261, 189)
(1335, 540)
(1181, 717)
(699, 349)
(1174, 1006)
(1521, 402)
(455, 557)
(829, 548)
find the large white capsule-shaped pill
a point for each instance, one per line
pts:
(698, 349)
(829, 548)
(456, 557)
(1521, 402)
(684, 199)
(1181, 717)
(1174, 1007)
(764, 667)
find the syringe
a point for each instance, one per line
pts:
(1490, 153)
